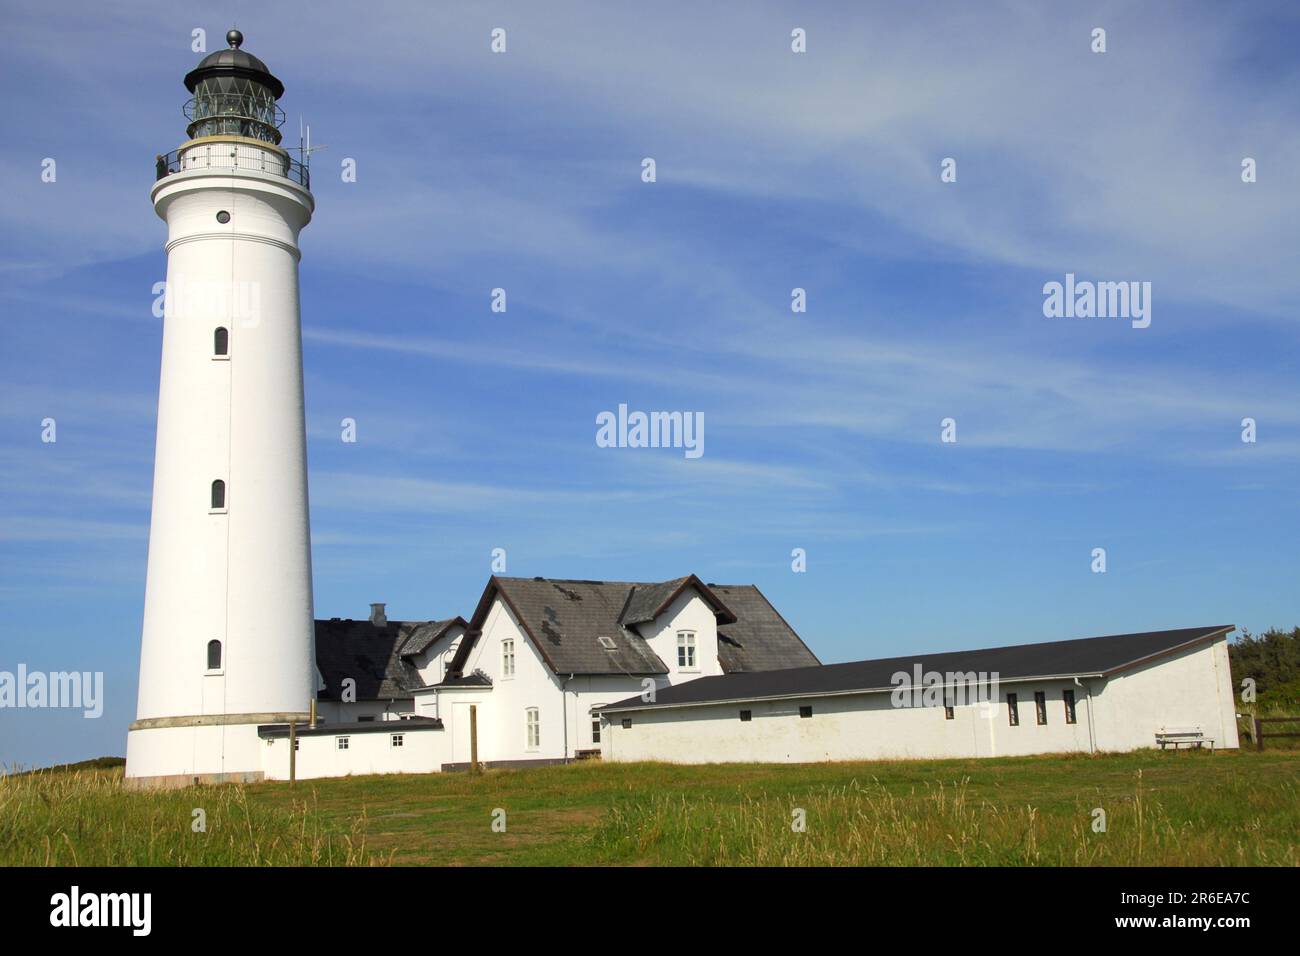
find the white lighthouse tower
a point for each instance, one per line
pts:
(228, 630)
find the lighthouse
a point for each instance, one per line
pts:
(227, 639)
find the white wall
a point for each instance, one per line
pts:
(337, 712)
(433, 660)
(423, 750)
(1189, 689)
(688, 612)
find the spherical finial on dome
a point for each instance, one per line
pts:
(234, 38)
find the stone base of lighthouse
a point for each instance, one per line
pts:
(184, 751)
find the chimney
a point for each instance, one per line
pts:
(377, 615)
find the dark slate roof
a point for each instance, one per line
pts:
(1095, 656)
(323, 729)
(565, 619)
(375, 657)
(646, 600)
(476, 679)
(428, 632)
(759, 639)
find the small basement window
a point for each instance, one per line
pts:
(805, 710)
(396, 740)
(746, 715)
(342, 743)
(221, 343)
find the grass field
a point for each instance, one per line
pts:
(1185, 808)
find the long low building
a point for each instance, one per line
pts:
(1115, 693)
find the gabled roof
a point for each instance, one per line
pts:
(428, 632)
(377, 658)
(566, 618)
(647, 601)
(1083, 657)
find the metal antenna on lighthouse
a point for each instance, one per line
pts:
(305, 148)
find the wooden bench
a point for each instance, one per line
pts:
(1177, 736)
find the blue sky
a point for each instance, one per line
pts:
(476, 430)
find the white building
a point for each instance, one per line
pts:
(535, 659)
(227, 635)
(1115, 693)
(540, 654)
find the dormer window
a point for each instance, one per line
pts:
(686, 650)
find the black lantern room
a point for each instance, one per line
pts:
(234, 94)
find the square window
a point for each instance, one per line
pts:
(805, 710)
(746, 715)
(627, 723)
(341, 743)
(396, 740)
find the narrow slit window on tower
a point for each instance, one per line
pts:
(221, 343)
(218, 495)
(214, 655)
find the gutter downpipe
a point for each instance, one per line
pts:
(564, 694)
(1092, 730)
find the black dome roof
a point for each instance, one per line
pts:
(234, 62)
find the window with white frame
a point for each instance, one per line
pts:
(533, 726)
(396, 740)
(686, 649)
(595, 730)
(508, 657)
(341, 743)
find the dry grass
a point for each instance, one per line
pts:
(1186, 808)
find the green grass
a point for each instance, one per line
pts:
(1185, 808)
